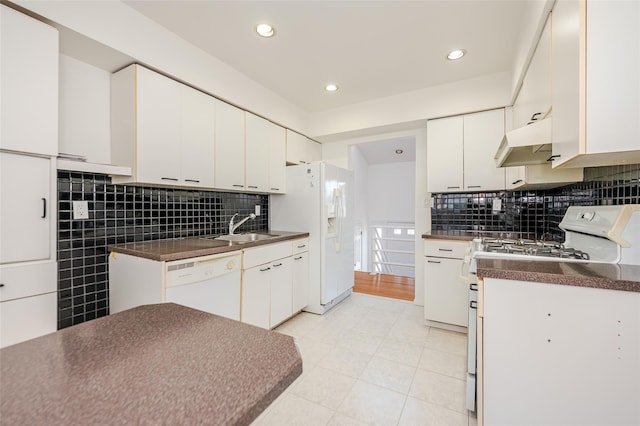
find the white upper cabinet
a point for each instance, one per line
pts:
(257, 144)
(595, 82)
(460, 152)
(302, 150)
(277, 159)
(198, 135)
(157, 128)
(482, 131)
(445, 150)
(163, 129)
(534, 97)
(541, 176)
(29, 84)
(229, 147)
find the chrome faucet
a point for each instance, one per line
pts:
(233, 227)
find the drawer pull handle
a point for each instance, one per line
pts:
(433, 261)
(302, 246)
(441, 249)
(453, 187)
(237, 186)
(516, 182)
(192, 180)
(473, 304)
(277, 265)
(275, 189)
(171, 179)
(1, 285)
(473, 287)
(264, 270)
(297, 258)
(553, 157)
(251, 186)
(474, 186)
(44, 208)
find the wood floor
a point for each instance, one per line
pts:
(385, 285)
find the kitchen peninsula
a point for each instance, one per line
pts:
(155, 364)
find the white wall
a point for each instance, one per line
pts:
(391, 189)
(85, 126)
(119, 27)
(488, 92)
(360, 170)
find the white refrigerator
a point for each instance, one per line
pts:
(319, 200)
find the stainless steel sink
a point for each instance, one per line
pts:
(243, 238)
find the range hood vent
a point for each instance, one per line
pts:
(527, 145)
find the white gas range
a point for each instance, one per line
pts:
(597, 234)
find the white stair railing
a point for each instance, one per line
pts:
(392, 248)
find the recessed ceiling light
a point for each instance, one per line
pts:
(399, 151)
(265, 30)
(331, 87)
(456, 54)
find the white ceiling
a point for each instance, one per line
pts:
(371, 49)
(384, 152)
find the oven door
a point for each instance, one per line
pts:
(472, 346)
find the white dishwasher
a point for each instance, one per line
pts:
(209, 283)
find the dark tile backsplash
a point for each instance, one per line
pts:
(536, 212)
(122, 214)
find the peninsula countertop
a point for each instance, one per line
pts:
(168, 250)
(608, 276)
(154, 364)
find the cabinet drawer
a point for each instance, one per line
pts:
(442, 248)
(267, 253)
(300, 246)
(28, 318)
(27, 280)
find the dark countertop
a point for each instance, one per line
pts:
(154, 364)
(167, 250)
(470, 235)
(596, 275)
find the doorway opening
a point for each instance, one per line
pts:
(384, 180)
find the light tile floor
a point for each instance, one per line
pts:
(371, 360)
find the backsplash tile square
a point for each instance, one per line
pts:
(537, 212)
(123, 214)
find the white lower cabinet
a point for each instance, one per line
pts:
(446, 295)
(300, 271)
(275, 281)
(554, 354)
(28, 301)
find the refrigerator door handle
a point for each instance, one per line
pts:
(338, 202)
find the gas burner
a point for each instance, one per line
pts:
(532, 248)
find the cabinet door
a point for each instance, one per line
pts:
(28, 318)
(257, 154)
(198, 137)
(446, 296)
(281, 290)
(445, 154)
(296, 148)
(229, 147)
(313, 151)
(277, 159)
(483, 132)
(515, 176)
(256, 296)
(25, 209)
(158, 128)
(28, 83)
(300, 281)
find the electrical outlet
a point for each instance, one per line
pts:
(81, 210)
(257, 210)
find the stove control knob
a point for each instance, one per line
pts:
(588, 216)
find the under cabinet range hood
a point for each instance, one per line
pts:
(526, 145)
